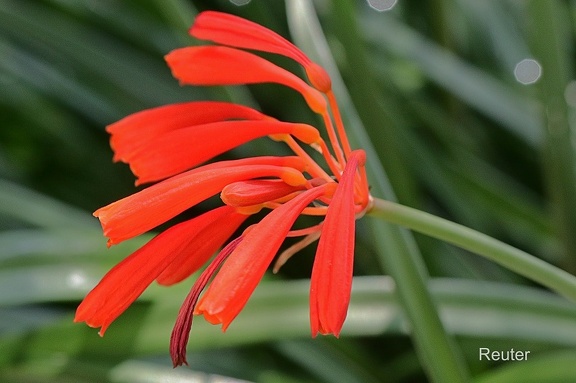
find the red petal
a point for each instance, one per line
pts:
(240, 274)
(209, 65)
(129, 278)
(140, 212)
(331, 280)
(226, 29)
(206, 242)
(182, 149)
(139, 128)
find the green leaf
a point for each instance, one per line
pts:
(552, 367)
(34, 208)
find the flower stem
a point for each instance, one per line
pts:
(510, 257)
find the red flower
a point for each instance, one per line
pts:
(167, 144)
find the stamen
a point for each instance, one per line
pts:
(333, 139)
(335, 168)
(303, 232)
(289, 252)
(314, 169)
(339, 124)
(314, 211)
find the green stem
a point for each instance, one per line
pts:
(514, 259)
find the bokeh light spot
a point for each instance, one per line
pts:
(240, 2)
(382, 5)
(527, 71)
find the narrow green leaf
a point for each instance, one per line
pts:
(396, 248)
(553, 367)
(279, 310)
(473, 85)
(135, 371)
(34, 208)
(550, 44)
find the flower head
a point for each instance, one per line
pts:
(171, 145)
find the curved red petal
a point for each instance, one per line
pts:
(124, 283)
(226, 29)
(205, 243)
(331, 281)
(217, 65)
(184, 148)
(142, 211)
(240, 274)
(139, 128)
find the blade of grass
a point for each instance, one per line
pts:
(326, 362)
(497, 21)
(94, 53)
(34, 208)
(549, 45)
(136, 371)
(556, 367)
(177, 13)
(478, 195)
(17, 245)
(472, 85)
(397, 250)
(279, 310)
(39, 75)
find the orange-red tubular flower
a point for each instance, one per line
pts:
(217, 65)
(128, 279)
(226, 29)
(140, 212)
(331, 280)
(167, 143)
(143, 127)
(184, 148)
(256, 192)
(241, 272)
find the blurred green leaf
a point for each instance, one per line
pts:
(34, 208)
(472, 85)
(557, 367)
(550, 43)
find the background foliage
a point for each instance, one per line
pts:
(431, 82)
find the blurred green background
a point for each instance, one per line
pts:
(468, 104)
